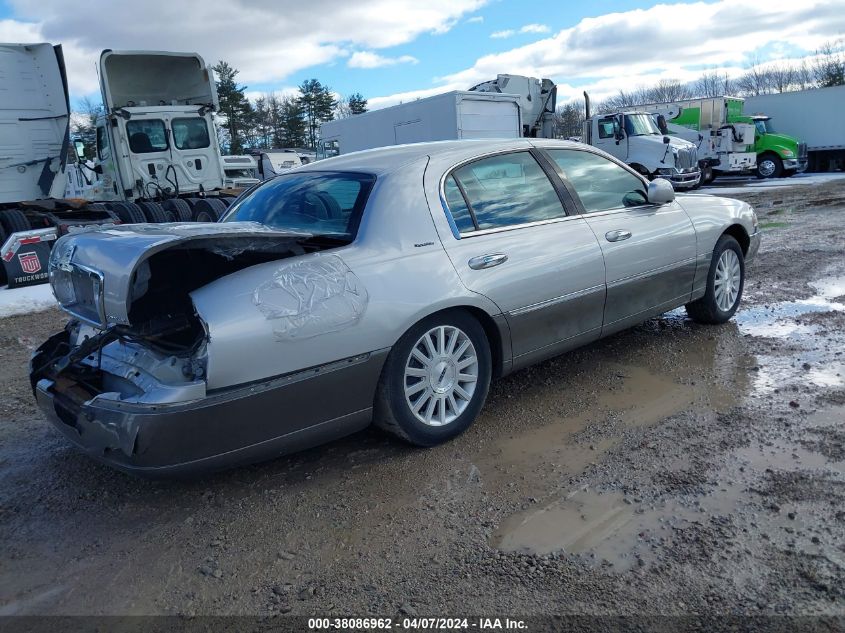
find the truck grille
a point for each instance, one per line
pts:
(686, 158)
(802, 150)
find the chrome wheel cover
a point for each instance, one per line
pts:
(727, 281)
(441, 375)
(767, 167)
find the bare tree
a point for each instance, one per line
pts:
(667, 91)
(781, 77)
(829, 65)
(712, 84)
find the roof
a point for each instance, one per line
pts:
(384, 160)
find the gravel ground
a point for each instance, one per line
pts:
(670, 469)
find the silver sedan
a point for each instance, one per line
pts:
(387, 286)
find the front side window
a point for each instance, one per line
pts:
(600, 183)
(190, 133)
(146, 136)
(321, 203)
(764, 126)
(606, 127)
(102, 142)
(506, 190)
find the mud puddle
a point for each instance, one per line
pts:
(618, 532)
(634, 397)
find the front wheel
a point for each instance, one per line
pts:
(769, 166)
(725, 282)
(435, 380)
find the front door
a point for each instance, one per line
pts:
(519, 248)
(649, 250)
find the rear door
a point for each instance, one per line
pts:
(517, 246)
(649, 250)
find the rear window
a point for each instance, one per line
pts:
(146, 135)
(322, 203)
(190, 133)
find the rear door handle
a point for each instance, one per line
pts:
(487, 261)
(617, 236)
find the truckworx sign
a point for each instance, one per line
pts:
(25, 256)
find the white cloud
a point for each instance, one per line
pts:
(535, 28)
(621, 51)
(368, 59)
(476, 19)
(266, 40)
(500, 35)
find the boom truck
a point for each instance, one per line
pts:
(730, 139)
(511, 106)
(157, 155)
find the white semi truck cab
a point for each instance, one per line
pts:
(634, 138)
(156, 138)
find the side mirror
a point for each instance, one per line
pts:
(98, 169)
(666, 140)
(79, 146)
(660, 191)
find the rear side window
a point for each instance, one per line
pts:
(190, 133)
(146, 136)
(321, 203)
(507, 190)
(600, 183)
(458, 206)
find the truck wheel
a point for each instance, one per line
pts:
(180, 209)
(769, 166)
(153, 212)
(13, 221)
(208, 210)
(129, 212)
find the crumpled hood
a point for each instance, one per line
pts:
(116, 252)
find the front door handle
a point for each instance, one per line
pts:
(617, 236)
(487, 261)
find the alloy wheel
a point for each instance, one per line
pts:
(441, 375)
(728, 280)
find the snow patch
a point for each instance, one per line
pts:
(25, 300)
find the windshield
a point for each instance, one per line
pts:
(321, 203)
(764, 126)
(640, 125)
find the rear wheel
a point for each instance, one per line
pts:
(180, 209)
(13, 221)
(208, 210)
(128, 212)
(154, 212)
(769, 165)
(725, 282)
(435, 380)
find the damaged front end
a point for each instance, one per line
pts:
(126, 381)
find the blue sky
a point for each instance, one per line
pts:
(392, 50)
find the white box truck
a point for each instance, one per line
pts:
(814, 116)
(448, 116)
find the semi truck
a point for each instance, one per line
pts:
(510, 106)
(814, 116)
(157, 156)
(775, 154)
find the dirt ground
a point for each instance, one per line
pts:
(670, 469)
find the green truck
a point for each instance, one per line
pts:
(714, 117)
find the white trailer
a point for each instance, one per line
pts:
(814, 116)
(448, 116)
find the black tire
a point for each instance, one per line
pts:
(13, 221)
(769, 165)
(789, 173)
(392, 411)
(128, 212)
(180, 209)
(208, 210)
(154, 212)
(706, 175)
(707, 310)
(227, 200)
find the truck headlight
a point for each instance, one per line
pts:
(61, 283)
(788, 153)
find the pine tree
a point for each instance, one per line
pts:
(318, 105)
(233, 105)
(357, 103)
